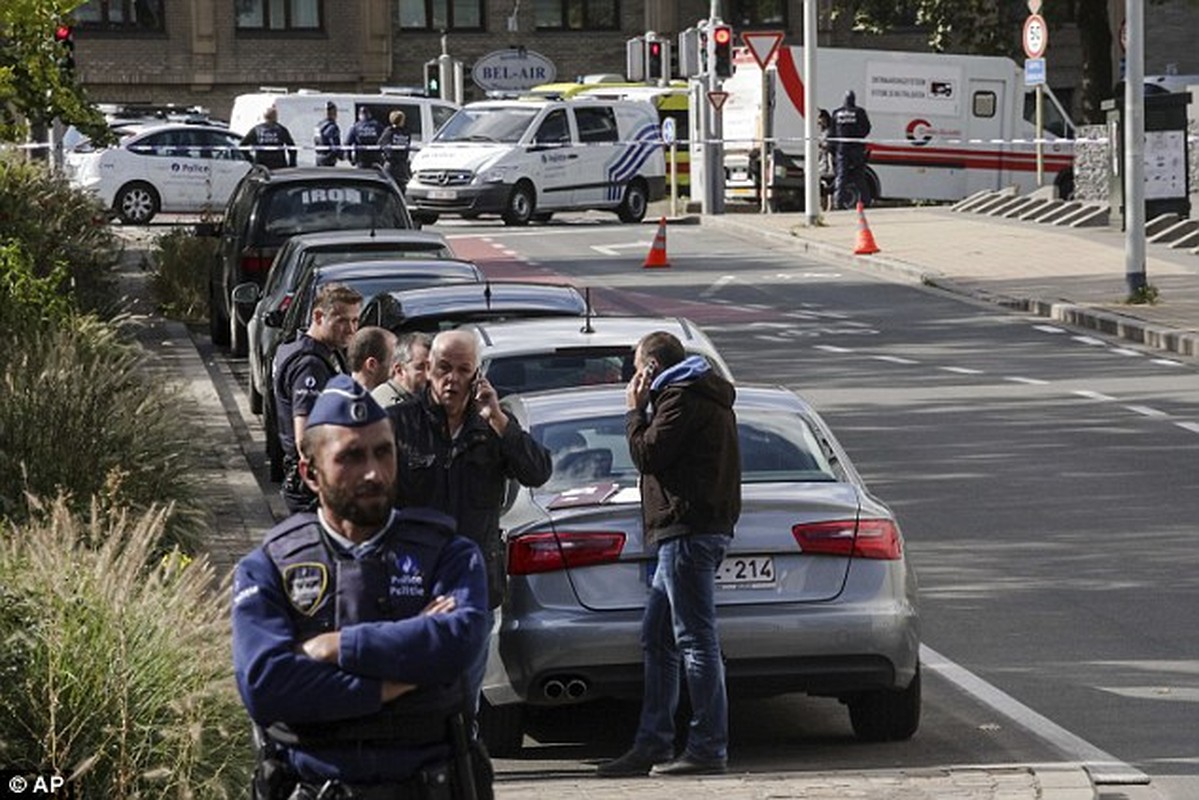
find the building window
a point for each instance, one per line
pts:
(278, 15)
(121, 15)
(577, 15)
(758, 13)
(441, 15)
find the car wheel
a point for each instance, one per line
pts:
(218, 323)
(239, 337)
(255, 399)
(636, 201)
(136, 203)
(502, 728)
(520, 205)
(886, 715)
(424, 218)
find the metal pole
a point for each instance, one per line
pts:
(764, 159)
(674, 179)
(1040, 137)
(1134, 148)
(811, 113)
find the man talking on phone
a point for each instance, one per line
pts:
(457, 450)
(683, 440)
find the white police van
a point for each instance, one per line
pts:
(526, 159)
(303, 110)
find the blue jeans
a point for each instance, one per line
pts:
(679, 627)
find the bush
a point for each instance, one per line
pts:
(180, 265)
(29, 302)
(60, 225)
(115, 667)
(78, 416)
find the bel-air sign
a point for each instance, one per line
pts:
(512, 70)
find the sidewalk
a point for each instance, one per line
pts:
(1075, 276)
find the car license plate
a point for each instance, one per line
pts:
(443, 194)
(736, 572)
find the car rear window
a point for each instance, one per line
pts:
(308, 208)
(422, 250)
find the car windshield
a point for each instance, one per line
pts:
(775, 447)
(539, 371)
(420, 250)
(308, 208)
(487, 124)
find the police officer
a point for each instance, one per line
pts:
(301, 369)
(352, 628)
(270, 143)
(363, 140)
(850, 122)
(395, 143)
(327, 138)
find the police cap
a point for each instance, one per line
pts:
(346, 403)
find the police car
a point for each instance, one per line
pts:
(174, 167)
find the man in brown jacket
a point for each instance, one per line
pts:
(690, 465)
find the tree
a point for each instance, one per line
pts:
(34, 89)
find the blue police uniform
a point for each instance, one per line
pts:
(327, 138)
(363, 142)
(395, 142)
(850, 121)
(270, 145)
(300, 371)
(325, 723)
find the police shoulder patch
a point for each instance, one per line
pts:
(306, 584)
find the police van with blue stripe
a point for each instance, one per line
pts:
(526, 159)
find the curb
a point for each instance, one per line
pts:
(1122, 326)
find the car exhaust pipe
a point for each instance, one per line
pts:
(576, 688)
(553, 689)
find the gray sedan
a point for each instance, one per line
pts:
(814, 596)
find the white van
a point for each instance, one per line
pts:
(526, 159)
(303, 110)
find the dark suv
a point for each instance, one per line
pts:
(267, 207)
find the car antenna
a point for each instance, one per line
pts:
(587, 314)
(487, 294)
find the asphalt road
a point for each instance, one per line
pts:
(1045, 481)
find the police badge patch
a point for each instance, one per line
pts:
(306, 584)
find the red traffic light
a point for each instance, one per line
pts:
(722, 35)
(655, 48)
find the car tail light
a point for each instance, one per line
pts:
(548, 552)
(867, 538)
(254, 263)
(285, 303)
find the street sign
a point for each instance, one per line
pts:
(762, 45)
(717, 99)
(1036, 36)
(1034, 71)
(1034, 6)
(668, 132)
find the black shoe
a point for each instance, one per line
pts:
(630, 765)
(686, 765)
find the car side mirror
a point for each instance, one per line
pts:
(245, 293)
(273, 319)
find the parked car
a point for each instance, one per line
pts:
(439, 308)
(368, 278)
(528, 355)
(815, 594)
(299, 255)
(173, 167)
(267, 207)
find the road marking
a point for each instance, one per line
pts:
(895, 359)
(1048, 329)
(1103, 766)
(1193, 427)
(1027, 381)
(1124, 351)
(1089, 395)
(832, 348)
(963, 370)
(1091, 340)
(1146, 411)
(611, 249)
(1177, 694)
(717, 285)
(1167, 362)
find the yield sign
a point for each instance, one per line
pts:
(717, 99)
(762, 45)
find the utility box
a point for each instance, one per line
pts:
(1167, 183)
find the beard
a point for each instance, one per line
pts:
(368, 504)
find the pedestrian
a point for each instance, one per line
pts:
(362, 141)
(395, 143)
(370, 354)
(828, 170)
(270, 143)
(409, 370)
(353, 628)
(851, 125)
(458, 450)
(301, 369)
(687, 453)
(327, 138)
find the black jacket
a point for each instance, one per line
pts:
(464, 477)
(689, 459)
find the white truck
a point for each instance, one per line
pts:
(943, 126)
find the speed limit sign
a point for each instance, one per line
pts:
(1036, 36)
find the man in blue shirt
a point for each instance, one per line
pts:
(353, 628)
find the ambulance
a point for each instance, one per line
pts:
(943, 126)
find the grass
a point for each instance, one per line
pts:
(179, 267)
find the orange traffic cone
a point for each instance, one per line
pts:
(657, 253)
(865, 245)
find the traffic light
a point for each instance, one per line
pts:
(653, 59)
(722, 41)
(432, 79)
(64, 37)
